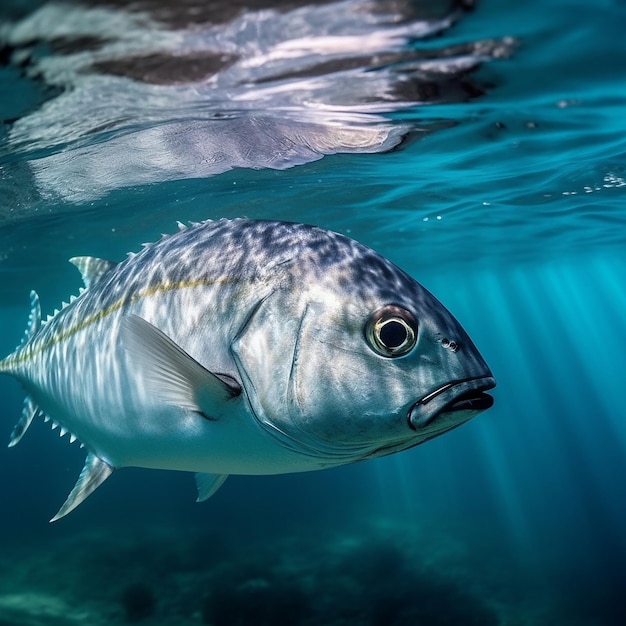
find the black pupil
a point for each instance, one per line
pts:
(393, 334)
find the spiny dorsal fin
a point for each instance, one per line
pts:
(172, 374)
(94, 473)
(28, 413)
(208, 484)
(91, 268)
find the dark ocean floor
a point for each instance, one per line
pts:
(381, 574)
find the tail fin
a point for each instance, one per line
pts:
(34, 319)
(34, 324)
(28, 413)
(7, 366)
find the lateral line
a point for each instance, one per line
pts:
(32, 351)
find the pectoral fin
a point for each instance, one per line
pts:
(172, 374)
(94, 473)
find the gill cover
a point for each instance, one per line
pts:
(313, 379)
(264, 351)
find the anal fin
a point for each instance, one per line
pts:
(94, 473)
(28, 413)
(208, 484)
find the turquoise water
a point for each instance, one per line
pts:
(495, 176)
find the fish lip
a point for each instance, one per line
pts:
(467, 394)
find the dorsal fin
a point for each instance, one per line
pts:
(94, 473)
(91, 268)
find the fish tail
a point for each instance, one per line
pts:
(34, 319)
(9, 366)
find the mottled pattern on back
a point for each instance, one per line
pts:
(264, 254)
(252, 251)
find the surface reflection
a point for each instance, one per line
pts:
(158, 91)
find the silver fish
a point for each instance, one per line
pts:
(245, 347)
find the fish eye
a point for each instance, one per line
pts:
(391, 331)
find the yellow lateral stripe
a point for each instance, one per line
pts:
(31, 352)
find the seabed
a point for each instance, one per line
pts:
(381, 574)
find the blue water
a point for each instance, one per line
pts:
(501, 188)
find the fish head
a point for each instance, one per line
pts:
(358, 361)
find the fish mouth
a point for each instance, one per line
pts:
(453, 403)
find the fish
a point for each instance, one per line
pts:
(249, 347)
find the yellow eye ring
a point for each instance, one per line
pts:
(391, 331)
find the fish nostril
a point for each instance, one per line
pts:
(451, 345)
